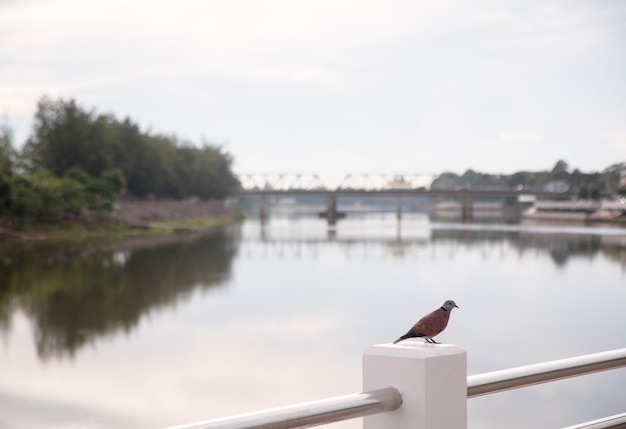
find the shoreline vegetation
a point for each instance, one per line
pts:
(83, 174)
(132, 218)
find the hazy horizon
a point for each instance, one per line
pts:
(338, 87)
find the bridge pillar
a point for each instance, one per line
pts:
(262, 208)
(467, 209)
(331, 213)
(331, 209)
(399, 207)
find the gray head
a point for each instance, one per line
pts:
(449, 305)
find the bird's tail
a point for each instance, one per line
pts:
(410, 334)
(404, 337)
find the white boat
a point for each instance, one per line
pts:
(578, 210)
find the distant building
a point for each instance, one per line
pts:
(556, 186)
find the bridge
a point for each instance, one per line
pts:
(313, 182)
(376, 184)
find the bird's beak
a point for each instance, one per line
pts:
(456, 306)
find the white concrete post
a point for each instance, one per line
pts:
(432, 379)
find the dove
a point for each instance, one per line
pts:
(431, 324)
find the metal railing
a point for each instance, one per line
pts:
(513, 378)
(616, 421)
(388, 399)
(310, 413)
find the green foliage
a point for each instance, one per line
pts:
(115, 180)
(588, 191)
(66, 136)
(7, 152)
(23, 199)
(5, 193)
(586, 185)
(44, 197)
(205, 171)
(7, 161)
(73, 198)
(470, 179)
(77, 162)
(560, 167)
(446, 181)
(79, 175)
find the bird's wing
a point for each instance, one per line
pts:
(431, 324)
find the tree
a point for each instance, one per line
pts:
(205, 172)
(66, 136)
(8, 154)
(446, 181)
(559, 172)
(521, 178)
(115, 180)
(560, 166)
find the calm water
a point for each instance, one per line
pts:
(146, 335)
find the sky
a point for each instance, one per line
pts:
(336, 87)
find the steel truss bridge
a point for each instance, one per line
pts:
(299, 182)
(398, 185)
(373, 183)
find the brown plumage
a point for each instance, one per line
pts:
(431, 324)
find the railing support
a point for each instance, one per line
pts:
(432, 379)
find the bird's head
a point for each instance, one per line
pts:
(449, 305)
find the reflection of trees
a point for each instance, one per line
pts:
(74, 296)
(560, 247)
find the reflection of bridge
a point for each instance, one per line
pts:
(439, 241)
(364, 248)
(398, 185)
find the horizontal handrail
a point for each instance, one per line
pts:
(513, 378)
(346, 407)
(615, 421)
(309, 413)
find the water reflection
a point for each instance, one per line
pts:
(75, 295)
(393, 240)
(299, 309)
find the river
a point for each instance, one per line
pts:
(148, 334)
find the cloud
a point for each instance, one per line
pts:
(519, 137)
(618, 136)
(445, 76)
(286, 72)
(20, 97)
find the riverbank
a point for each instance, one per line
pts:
(132, 217)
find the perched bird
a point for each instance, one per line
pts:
(431, 324)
